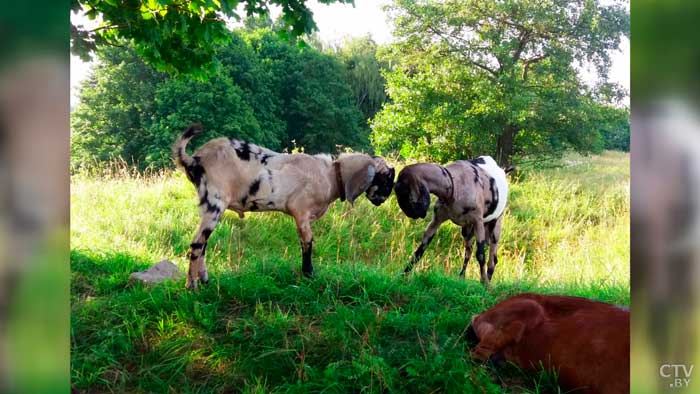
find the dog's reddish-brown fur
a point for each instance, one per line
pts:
(587, 343)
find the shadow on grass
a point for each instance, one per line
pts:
(263, 329)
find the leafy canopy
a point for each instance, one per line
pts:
(359, 55)
(178, 35)
(267, 91)
(493, 77)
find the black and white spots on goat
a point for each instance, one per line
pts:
(492, 201)
(209, 199)
(260, 194)
(194, 171)
(248, 152)
(242, 149)
(254, 187)
(477, 177)
(498, 187)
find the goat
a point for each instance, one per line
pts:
(586, 342)
(240, 176)
(471, 193)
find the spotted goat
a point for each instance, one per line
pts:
(471, 193)
(237, 175)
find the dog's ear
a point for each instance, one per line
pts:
(358, 182)
(494, 340)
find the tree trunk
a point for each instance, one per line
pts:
(504, 145)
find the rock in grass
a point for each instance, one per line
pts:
(156, 274)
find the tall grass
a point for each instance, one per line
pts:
(358, 326)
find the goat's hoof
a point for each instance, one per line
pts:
(191, 284)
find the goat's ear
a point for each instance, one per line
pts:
(357, 183)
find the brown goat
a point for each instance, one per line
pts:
(237, 175)
(472, 194)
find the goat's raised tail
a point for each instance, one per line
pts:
(180, 156)
(191, 165)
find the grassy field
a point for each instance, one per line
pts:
(358, 326)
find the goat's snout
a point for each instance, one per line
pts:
(381, 187)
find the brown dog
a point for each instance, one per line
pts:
(586, 342)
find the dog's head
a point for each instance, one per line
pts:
(472, 339)
(412, 194)
(492, 333)
(382, 183)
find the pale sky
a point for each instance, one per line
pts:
(337, 21)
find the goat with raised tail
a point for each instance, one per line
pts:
(471, 193)
(237, 175)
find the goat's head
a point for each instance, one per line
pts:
(360, 174)
(382, 184)
(412, 194)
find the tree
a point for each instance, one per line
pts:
(130, 111)
(178, 35)
(615, 127)
(267, 91)
(498, 77)
(318, 105)
(364, 73)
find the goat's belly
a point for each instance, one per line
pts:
(256, 205)
(262, 205)
(453, 212)
(461, 220)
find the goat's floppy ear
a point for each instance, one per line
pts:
(357, 183)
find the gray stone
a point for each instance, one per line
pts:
(156, 274)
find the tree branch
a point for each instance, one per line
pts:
(531, 61)
(103, 27)
(523, 39)
(460, 50)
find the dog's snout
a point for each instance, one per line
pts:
(472, 339)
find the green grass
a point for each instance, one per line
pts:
(358, 326)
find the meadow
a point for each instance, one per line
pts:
(358, 325)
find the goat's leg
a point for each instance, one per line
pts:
(306, 238)
(481, 250)
(198, 269)
(467, 235)
(438, 218)
(494, 237)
